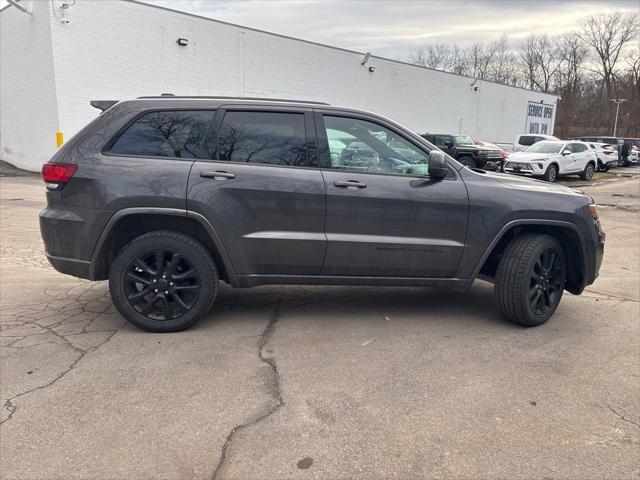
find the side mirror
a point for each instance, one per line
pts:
(437, 165)
(566, 152)
(448, 144)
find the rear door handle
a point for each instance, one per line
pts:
(217, 175)
(350, 184)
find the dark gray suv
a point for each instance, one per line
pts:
(166, 196)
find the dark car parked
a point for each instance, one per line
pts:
(165, 196)
(466, 151)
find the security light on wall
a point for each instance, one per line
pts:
(183, 42)
(365, 59)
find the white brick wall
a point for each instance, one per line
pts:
(115, 49)
(28, 103)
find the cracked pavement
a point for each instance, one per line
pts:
(318, 382)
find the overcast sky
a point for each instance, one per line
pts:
(393, 28)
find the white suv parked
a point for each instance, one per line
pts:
(548, 159)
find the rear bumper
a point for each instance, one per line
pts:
(70, 266)
(66, 239)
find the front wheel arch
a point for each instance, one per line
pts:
(564, 232)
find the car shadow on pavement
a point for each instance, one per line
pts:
(320, 304)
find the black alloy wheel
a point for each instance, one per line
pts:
(162, 284)
(163, 281)
(546, 282)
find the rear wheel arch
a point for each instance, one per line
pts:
(566, 233)
(125, 226)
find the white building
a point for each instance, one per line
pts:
(58, 55)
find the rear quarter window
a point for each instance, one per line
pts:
(170, 134)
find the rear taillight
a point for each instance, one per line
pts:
(56, 175)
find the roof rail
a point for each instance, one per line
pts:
(169, 95)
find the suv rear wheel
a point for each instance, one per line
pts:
(163, 281)
(530, 279)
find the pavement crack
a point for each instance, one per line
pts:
(276, 389)
(622, 417)
(9, 403)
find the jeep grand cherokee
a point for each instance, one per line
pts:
(166, 196)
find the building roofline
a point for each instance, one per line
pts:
(401, 62)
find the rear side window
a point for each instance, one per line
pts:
(272, 138)
(175, 134)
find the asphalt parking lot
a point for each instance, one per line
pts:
(319, 383)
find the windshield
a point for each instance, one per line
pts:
(463, 140)
(545, 147)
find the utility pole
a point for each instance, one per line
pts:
(617, 101)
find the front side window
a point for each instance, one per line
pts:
(361, 146)
(176, 134)
(272, 138)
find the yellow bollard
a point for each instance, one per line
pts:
(59, 139)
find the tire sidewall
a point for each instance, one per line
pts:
(196, 255)
(588, 171)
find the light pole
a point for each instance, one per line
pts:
(617, 101)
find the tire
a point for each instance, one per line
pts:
(551, 174)
(602, 167)
(587, 173)
(520, 297)
(166, 299)
(468, 161)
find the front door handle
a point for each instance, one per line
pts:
(217, 175)
(350, 184)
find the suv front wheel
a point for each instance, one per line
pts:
(530, 279)
(163, 281)
(468, 161)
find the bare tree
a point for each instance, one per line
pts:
(608, 34)
(438, 56)
(541, 59)
(632, 62)
(573, 53)
(502, 67)
(476, 60)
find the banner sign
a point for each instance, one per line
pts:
(539, 119)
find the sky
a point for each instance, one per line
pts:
(394, 28)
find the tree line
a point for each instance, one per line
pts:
(588, 67)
